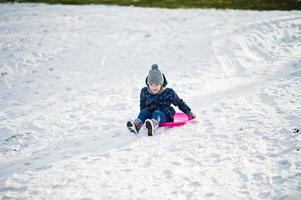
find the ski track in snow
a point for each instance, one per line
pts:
(70, 77)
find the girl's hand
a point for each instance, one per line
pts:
(191, 115)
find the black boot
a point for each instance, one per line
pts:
(134, 126)
(151, 125)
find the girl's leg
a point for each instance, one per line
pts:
(159, 116)
(135, 126)
(144, 114)
(152, 124)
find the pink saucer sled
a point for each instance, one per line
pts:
(180, 119)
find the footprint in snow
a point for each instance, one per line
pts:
(278, 180)
(167, 174)
(284, 164)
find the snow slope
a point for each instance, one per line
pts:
(71, 77)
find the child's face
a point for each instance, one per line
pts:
(155, 88)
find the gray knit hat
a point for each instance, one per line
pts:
(155, 76)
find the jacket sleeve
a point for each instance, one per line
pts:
(142, 100)
(179, 102)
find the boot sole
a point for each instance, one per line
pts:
(150, 128)
(131, 127)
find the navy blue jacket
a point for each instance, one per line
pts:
(162, 102)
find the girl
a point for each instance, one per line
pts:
(155, 103)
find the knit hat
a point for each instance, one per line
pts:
(155, 76)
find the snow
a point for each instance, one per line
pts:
(70, 77)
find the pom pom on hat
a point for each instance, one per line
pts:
(155, 67)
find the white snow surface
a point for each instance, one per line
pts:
(70, 78)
